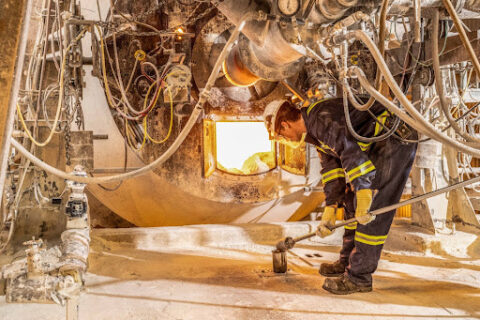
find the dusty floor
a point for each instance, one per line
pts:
(235, 282)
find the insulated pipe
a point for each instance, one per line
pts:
(462, 34)
(171, 150)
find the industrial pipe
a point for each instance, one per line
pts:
(439, 82)
(419, 124)
(425, 125)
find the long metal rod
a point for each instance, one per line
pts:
(414, 200)
(288, 243)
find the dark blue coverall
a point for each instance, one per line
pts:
(382, 166)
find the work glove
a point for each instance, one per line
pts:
(364, 201)
(328, 219)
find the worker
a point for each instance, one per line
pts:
(376, 174)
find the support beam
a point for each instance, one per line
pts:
(459, 205)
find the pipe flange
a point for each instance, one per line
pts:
(269, 73)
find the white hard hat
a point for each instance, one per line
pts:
(270, 116)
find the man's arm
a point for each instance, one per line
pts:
(331, 130)
(333, 179)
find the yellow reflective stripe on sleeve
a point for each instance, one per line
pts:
(336, 170)
(362, 169)
(351, 226)
(370, 240)
(332, 175)
(330, 178)
(367, 170)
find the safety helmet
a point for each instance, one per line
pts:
(270, 116)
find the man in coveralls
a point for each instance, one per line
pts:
(376, 175)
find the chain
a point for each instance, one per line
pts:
(68, 138)
(79, 121)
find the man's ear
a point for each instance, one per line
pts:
(284, 124)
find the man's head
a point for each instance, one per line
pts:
(282, 119)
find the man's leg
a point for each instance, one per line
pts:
(349, 234)
(393, 161)
(337, 268)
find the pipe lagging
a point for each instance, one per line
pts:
(170, 151)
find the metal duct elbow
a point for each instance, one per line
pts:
(236, 72)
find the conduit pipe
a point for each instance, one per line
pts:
(439, 82)
(175, 145)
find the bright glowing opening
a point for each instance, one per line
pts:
(244, 148)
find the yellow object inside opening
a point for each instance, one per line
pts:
(243, 147)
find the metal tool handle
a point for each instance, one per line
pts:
(411, 200)
(282, 245)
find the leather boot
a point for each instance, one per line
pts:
(332, 269)
(343, 285)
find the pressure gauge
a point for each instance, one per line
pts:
(288, 7)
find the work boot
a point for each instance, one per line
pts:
(332, 269)
(343, 285)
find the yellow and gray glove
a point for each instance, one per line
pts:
(328, 219)
(364, 201)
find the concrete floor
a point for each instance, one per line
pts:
(133, 274)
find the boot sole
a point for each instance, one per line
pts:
(339, 292)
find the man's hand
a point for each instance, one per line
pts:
(364, 201)
(328, 219)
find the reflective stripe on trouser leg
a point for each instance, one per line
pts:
(349, 234)
(393, 161)
(368, 243)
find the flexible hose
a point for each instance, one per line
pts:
(381, 47)
(352, 131)
(175, 145)
(427, 126)
(463, 35)
(347, 92)
(59, 104)
(439, 82)
(420, 125)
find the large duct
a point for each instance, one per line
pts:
(272, 52)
